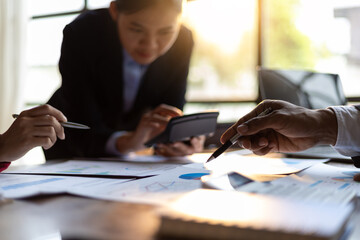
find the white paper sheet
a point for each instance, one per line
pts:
(153, 190)
(133, 157)
(324, 176)
(21, 186)
(99, 168)
(249, 165)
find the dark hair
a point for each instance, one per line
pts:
(132, 6)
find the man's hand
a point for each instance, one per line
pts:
(288, 128)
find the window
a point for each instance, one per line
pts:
(224, 58)
(301, 34)
(48, 19)
(44, 42)
(320, 35)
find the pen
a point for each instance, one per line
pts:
(65, 124)
(232, 140)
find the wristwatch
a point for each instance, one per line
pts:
(356, 159)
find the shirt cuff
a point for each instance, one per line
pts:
(4, 166)
(348, 142)
(110, 147)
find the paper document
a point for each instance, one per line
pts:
(249, 165)
(99, 168)
(153, 190)
(300, 193)
(149, 159)
(211, 214)
(323, 176)
(21, 186)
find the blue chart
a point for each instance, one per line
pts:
(348, 178)
(350, 173)
(290, 162)
(28, 184)
(192, 176)
(80, 170)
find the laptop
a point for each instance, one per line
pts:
(309, 89)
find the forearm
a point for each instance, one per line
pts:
(4, 159)
(127, 143)
(4, 163)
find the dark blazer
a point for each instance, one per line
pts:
(91, 93)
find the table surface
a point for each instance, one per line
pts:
(71, 217)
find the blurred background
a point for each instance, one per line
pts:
(232, 37)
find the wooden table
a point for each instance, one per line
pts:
(71, 217)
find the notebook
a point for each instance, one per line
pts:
(214, 214)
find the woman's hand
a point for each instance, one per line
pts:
(151, 125)
(39, 126)
(177, 149)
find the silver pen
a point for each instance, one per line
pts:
(65, 124)
(232, 140)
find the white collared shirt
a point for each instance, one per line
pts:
(348, 138)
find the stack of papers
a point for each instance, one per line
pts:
(99, 169)
(154, 183)
(213, 214)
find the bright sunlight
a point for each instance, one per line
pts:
(221, 22)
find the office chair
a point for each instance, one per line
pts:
(307, 89)
(304, 88)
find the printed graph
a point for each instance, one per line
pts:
(29, 184)
(192, 176)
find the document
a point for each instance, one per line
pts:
(213, 214)
(98, 168)
(156, 190)
(323, 176)
(21, 186)
(250, 165)
(133, 157)
(153, 190)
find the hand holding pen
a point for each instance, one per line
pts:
(39, 126)
(287, 128)
(233, 139)
(65, 124)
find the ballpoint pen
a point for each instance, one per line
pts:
(65, 124)
(232, 140)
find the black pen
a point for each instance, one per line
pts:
(65, 124)
(232, 140)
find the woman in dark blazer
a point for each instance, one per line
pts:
(102, 52)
